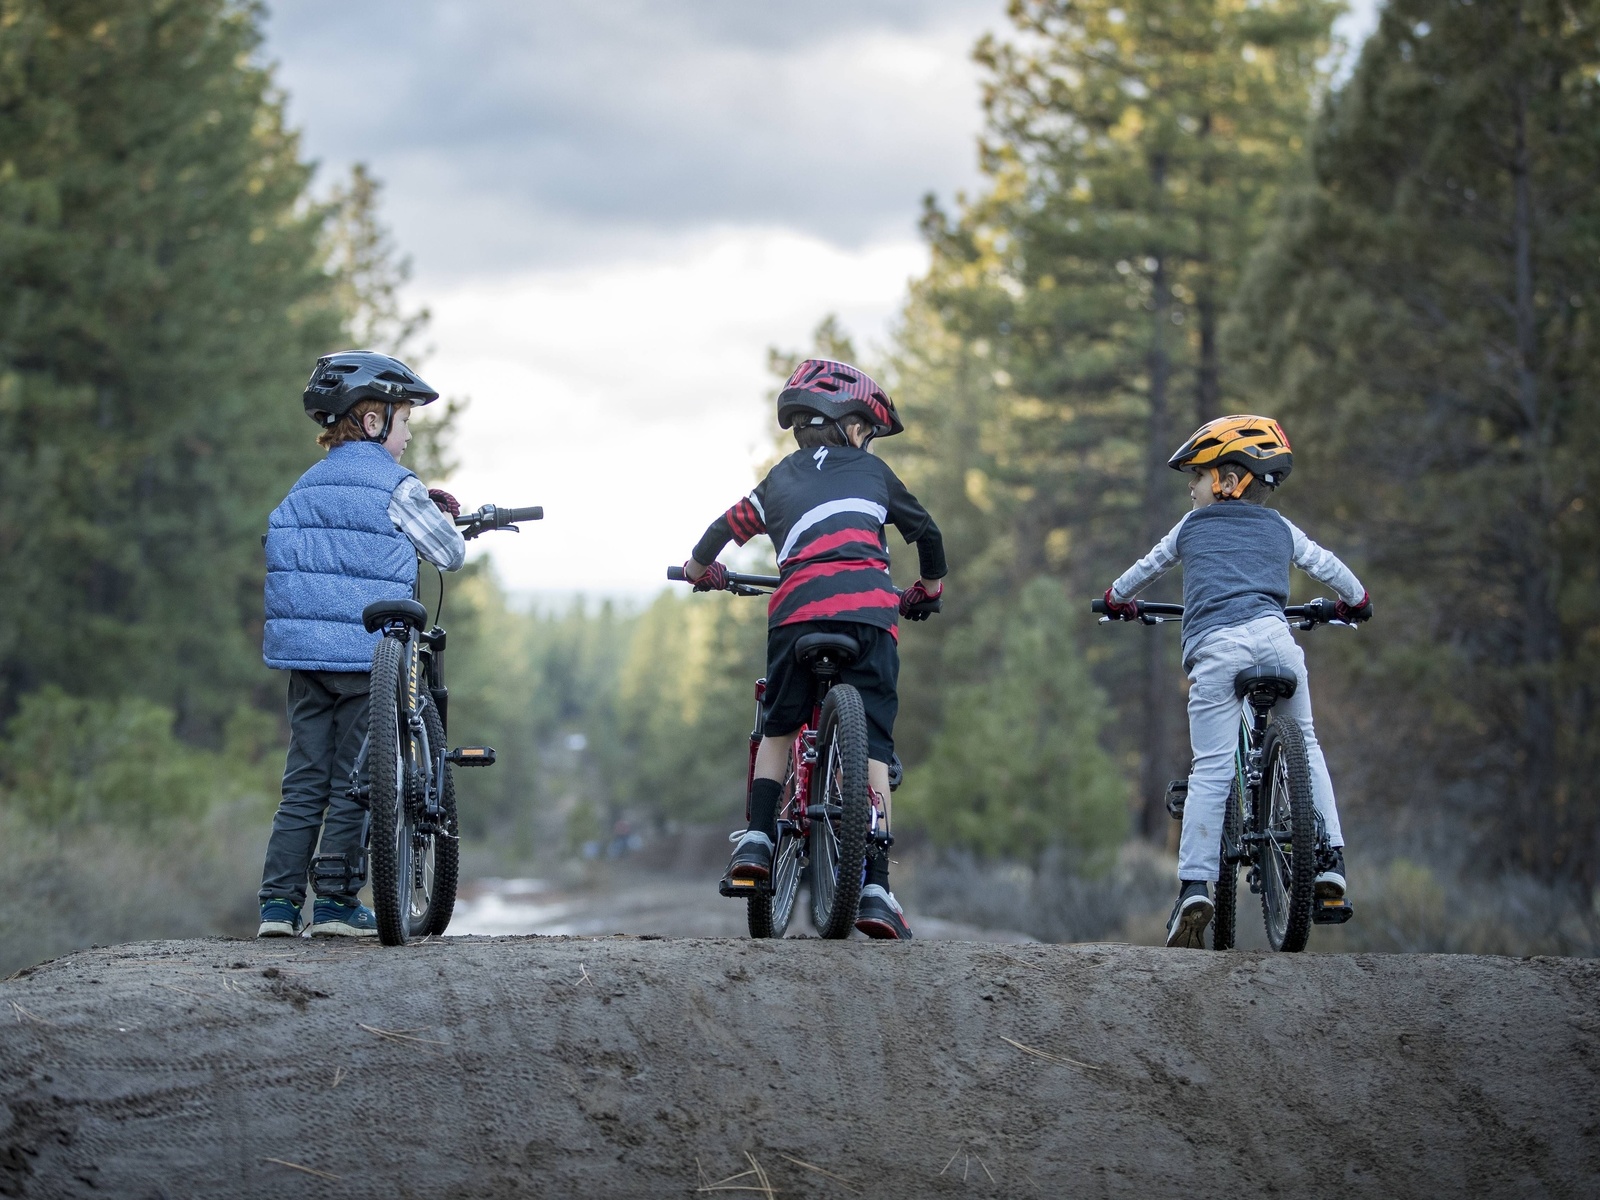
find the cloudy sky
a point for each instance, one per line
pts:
(613, 208)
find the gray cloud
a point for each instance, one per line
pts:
(521, 134)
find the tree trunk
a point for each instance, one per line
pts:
(1537, 626)
(1154, 757)
(1208, 375)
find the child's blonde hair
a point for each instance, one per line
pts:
(352, 426)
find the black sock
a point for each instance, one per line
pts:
(878, 869)
(764, 797)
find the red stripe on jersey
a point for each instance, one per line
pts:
(833, 606)
(819, 546)
(802, 575)
(745, 522)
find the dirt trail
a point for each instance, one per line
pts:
(627, 1066)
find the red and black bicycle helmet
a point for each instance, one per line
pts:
(835, 390)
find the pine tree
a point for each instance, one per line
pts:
(1134, 150)
(1423, 311)
(162, 298)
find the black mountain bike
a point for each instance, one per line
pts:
(1270, 826)
(403, 771)
(827, 815)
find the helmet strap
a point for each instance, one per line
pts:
(388, 424)
(1241, 485)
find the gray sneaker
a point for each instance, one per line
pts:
(1330, 880)
(1190, 916)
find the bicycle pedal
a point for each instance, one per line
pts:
(743, 889)
(1331, 912)
(471, 756)
(1177, 793)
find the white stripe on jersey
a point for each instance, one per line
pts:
(822, 512)
(756, 504)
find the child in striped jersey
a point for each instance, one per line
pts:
(825, 507)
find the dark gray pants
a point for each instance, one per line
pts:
(327, 721)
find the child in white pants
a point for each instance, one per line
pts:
(1236, 556)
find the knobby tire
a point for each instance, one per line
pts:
(446, 850)
(1223, 922)
(391, 888)
(769, 916)
(840, 778)
(1285, 803)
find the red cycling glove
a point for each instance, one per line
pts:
(1123, 610)
(714, 580)
(1352, 613)
(917, 594)
(445, 501)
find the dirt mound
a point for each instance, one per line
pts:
(625, 1066)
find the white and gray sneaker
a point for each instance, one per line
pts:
(752, 856)
(1330, 882)
(880, 915)
(1190, 915)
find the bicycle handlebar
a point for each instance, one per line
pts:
(739, 585)
(761, 585)
(1305, 616)
(489, 517)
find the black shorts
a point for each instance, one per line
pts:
(791, 690)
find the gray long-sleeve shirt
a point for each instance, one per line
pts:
(1236, 559)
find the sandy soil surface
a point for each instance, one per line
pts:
(635, 1067)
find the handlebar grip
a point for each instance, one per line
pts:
(676, 574)
(506, 516)
(1097, 606)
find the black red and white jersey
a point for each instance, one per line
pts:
(826, 510)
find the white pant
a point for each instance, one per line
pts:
(1214, 713)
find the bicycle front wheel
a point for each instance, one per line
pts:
(839, 813)
(436, 850)
(388, 748)
(1287, 847)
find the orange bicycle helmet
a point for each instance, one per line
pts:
(1258, 444)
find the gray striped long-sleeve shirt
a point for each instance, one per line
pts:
(432, 532)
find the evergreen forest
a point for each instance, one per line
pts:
(1189, 208)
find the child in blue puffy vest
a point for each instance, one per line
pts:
(347, 534)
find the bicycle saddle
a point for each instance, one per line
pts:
(840, 647)
(1264, 681)
(380, 612)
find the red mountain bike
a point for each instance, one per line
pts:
(827, 815)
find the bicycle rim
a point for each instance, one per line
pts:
(1287, 851)
(839, 831)
(390, 835)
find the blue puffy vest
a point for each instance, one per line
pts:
(331, 551)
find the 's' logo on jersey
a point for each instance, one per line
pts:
(822, 453)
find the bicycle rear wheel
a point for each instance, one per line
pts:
(388, 738)
(1222, 924)
(1287, 849)
(436, 864)
(839, 813)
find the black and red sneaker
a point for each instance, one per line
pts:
(880, 915)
